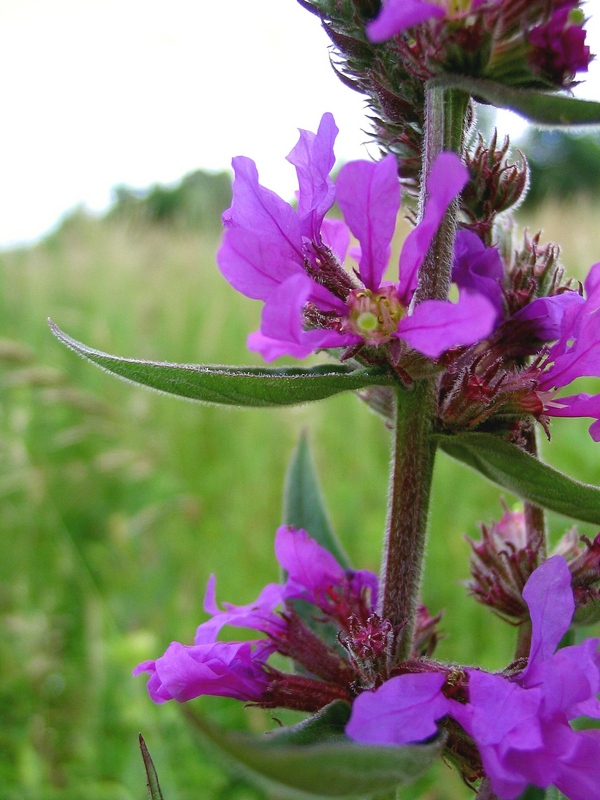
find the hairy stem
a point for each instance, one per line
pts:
(410, 485)
(414, 452)
(537, 539)
(445, 127)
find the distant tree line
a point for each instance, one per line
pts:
(196, 202)
(563, 165)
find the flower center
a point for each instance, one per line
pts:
(374, 315)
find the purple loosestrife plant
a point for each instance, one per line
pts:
(472, 377)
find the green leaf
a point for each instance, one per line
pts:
(552, 793)
(523, 475)
(233, 386)
(316, 757)
(544, 108)
(154, 791)
(534, 793)
(303, 504)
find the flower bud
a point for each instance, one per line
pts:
(501, 564)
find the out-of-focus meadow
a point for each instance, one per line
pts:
(116, 504)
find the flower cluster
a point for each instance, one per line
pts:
(560, 331)
(519, 719)
(292, 259)
(508, 554)
(497, 39)
(334, 670)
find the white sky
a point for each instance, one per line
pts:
(103, 92)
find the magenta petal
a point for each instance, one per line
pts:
(447, 178)
(282, 331)
(314, 158)
(310, 567)
(397, 15)
(579, 778)
(478, 268)
(569, 679)
(262, 244)
(503, 712)
(224, 669)
(577, 405)
(271, 349)
(547, 314)
(336, 236)
(259, 615)
(549, 597)
(437, 325)
(402, 710)
(369, 195)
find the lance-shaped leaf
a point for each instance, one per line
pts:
(233, 386)
(154, 791)
(303, 504)
(507, 465)
(544, 108)
(317, 759)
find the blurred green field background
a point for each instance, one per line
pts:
(116, 504)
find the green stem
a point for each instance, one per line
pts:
(410, 485)
(414, 452)
(536, 532)
(535, 518)
(445, 126)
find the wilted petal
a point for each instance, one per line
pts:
(398, 15)
(437, 325)
(404, 709)
(447, 178)
(259, 615)
(223, 669)
(368, 194)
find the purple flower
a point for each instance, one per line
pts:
(315, 576)
(398, 15)
(239, 669)
(222, 669)
(292, 260)
(520, 724)
(576, 354)
(534, 743)
(558, 48)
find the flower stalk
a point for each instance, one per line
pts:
(414, 451)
